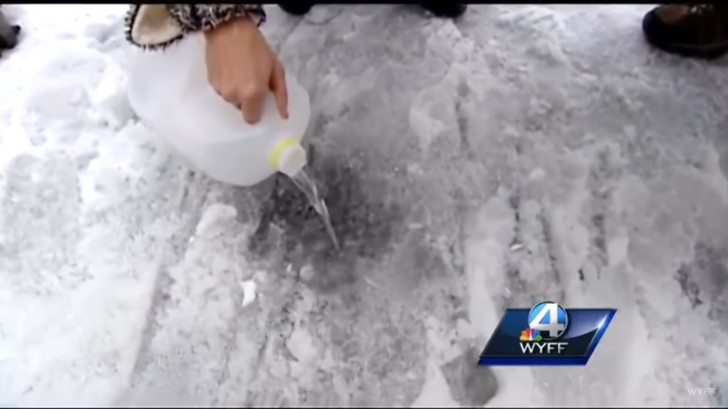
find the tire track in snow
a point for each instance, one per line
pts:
(192, 206)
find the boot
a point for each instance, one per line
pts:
(297, 8)
(450, 9)
(8, 33)
(698, 30)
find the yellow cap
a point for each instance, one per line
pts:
(278, 149)
(287, 156)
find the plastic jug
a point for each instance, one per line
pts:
(170, 93)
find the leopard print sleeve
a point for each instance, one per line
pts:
(156, 26)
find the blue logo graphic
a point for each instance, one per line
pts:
(547, 334)
(549, 319)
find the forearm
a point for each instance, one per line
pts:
(155, 26)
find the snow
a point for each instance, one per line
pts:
(525, 153)
(249, 287)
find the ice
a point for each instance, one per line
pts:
(248, 292)
(435, 393)
(526, 152)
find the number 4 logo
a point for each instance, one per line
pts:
(549, 319)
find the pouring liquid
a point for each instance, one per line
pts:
(308, 186)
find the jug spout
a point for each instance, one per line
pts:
(288, 157)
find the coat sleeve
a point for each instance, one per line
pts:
(156, 26)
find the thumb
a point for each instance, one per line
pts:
(280, 90)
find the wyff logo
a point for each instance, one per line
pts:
(547, 334)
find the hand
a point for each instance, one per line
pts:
(242, 68)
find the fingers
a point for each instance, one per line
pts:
(229, 95)
(251, 103)
(250, 98)
(280, 91)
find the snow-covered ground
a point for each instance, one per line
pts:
(524, 153)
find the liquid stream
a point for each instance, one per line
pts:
(307, 184)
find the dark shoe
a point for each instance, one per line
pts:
(8, 33)
(451, 9)
(298, 8)
(699, 31)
